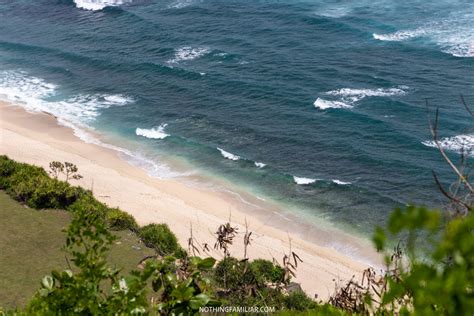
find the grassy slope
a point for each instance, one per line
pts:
(30, 247)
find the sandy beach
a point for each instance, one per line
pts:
(38, 139)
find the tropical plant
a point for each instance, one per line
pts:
(160, 238)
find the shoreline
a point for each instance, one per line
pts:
(119, 184)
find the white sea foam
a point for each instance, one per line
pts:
(37, 95)
(345, 98)
(459, 143)
(228, 155)
(259, 164)
(154, 169)
(187, 53)
(154, 133)
(340, 182)
(355, 95)
(327, 104)
(453, 35)
(400, 35)
(96, 5)
(179, 4)
(304, 181)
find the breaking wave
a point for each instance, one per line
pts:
(454, 35)
(400, 35)
(96, 5)
(36, 95)
(187, 53)
(340, 182)
(304, 181)
(228, 155)
(153, 133)
(347, 97)
(460, 144)
(327, 104)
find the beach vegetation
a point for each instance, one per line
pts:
(56, 168)
(32, 185)
(266, 271)
(160, 238)
(69, 170)
(257, 283)
(87, 202)
(120, 220)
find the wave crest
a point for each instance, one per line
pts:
(400, 35)
(345, 98)
(304, 181)
(460, 144)
(228, 155)
(187, 53)
(340, 182)
(153, 133)
(453, 35)
(96, 5)
(327, 104)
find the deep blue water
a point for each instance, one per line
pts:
(332, 91)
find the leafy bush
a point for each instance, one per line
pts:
(232, 273)
(33, 186)
(119, 220)
(229, 273)
(182, 296)
(267, 272)
(256, 283)
(23, 180)
(7, 168)
(86, 202)
(298, 300)
(51, 193)
(159, 237)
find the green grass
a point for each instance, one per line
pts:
(30, 247)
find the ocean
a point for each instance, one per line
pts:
(319, 106)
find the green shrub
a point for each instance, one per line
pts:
(267, 272)
(180, 253)
(52, 193)
(159, 237)
(7, 168)
(119, 220)
(23, 181)
(32, 185)
(298, 300)
(86, 202)
(37, 190)
(232, 273)
(229, 273)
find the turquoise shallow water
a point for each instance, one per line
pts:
(317, 105)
